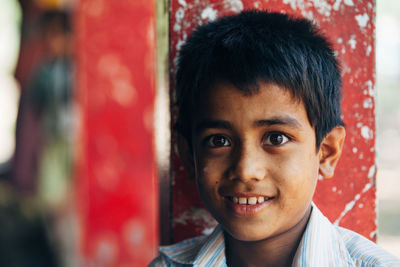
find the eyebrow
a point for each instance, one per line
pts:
(276, 120)
(280, 120)
(216, 124)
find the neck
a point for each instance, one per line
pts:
(273, 251)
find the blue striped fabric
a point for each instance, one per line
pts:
(322, 244)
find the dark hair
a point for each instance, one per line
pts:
(259, 46)
(55, 20)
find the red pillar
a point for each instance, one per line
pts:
(348, 199)
(116, 170)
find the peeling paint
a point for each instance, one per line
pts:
(209, 14)
(367, 103)
(352, 42)
(362, 20)
(370, 87)
(348, 2)
(336, 5)
(323, 7)
(292, 3)
(199, 215)
(182, 3)
(351, 204)
(372, 171)
(233, 5)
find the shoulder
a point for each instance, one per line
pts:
(183, 252)
(365, 252)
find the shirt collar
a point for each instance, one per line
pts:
(199, 251)
(320, 245)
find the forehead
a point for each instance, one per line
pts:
(225, 101)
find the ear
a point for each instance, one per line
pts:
(330, 151)
(186, 155)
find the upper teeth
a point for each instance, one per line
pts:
(249, 200)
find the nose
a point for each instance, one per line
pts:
(249, 165)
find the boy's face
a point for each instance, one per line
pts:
(257, 149)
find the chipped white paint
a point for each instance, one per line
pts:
(351, 204)
(361, 205)
(354, 150)
(373, 233)
(370, 87)
(336, 5)
(352, 42)
(363, 168)
(367, 103)
(182, 3)
(198, 216)
(348, 2)
(362, 20)
(292, 3)
(179, 44)
(209, 14)
(339, 40)
(179, 15)
(233, 5)
(323, 7)
(320, 177)
(368, 51)
(334, 189)
(372, 171)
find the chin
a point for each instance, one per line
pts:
(247, 235)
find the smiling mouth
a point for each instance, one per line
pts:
(249, 200)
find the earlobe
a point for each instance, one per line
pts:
(330, 151)
(185, 154)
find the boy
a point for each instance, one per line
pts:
(259, 119)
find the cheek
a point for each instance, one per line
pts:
(296, 170)
(207, 175)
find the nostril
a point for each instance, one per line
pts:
(249, 165)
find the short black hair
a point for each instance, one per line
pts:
(260, 46)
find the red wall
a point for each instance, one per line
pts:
(116, 179)
(349, 198)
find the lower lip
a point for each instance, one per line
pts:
(248, 210)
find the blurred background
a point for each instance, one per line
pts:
(388, 123)
(36, 134)
(40, 130)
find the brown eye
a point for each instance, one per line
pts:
(275, 139)
(218, 141)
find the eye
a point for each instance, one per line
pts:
(275, 139)
(218, 141)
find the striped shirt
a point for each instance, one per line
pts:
(322, 244)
